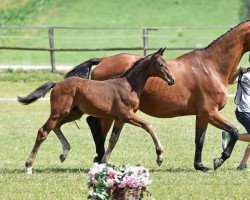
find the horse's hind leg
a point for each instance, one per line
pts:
(99, 129)
(65, 144)
(117, 128)
(134, 120)
(56, 115)
(74, 114)
(219, 121)
(41, 137)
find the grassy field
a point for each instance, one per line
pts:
(175, 179)
(174, 13)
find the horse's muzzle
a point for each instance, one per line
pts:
(171, 82)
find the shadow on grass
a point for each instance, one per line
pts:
(44, 170)
(191, 170)
(173, 170)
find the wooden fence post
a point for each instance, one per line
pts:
(145, 41)
(51, 45)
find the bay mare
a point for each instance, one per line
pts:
(115, 99)
(201, 88)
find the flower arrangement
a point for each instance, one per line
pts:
(117, 182)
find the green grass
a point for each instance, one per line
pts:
(23, 12)
(115, 14)
(29, 75)
(175, 179)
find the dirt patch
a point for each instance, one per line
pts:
(12, 3)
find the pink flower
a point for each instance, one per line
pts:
(112, 174)
(129, 181)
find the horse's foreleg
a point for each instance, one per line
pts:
(117, 128)
(201, 127)
(134, 120)
(99, 129)
(216, 119)
(65, 144)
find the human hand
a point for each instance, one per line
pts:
(242, 70)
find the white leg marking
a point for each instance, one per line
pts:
(29, 170)
(65, 153)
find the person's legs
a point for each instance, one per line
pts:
(245, 159)
(244, 119)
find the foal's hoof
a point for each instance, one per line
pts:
(62, 158)
(29, 170)
(217, 163)
(159, 162)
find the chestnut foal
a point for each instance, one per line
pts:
(116, 99)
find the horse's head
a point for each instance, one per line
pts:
(160, 68)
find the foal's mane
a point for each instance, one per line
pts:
(223, 35)
(134, 66)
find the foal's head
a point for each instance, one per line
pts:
(158, 67)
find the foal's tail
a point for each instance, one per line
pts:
(83, 70)
(35, 95)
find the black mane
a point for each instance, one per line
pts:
(136, 63)
(231, 29)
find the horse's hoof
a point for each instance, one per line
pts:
(206, 169)
(29, 170)
(62, 158)
(199, 167)
(159, 162)
(97, 160)
(217, 163)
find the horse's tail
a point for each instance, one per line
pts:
(38, 93)
(83, 70)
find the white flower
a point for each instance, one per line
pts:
(109, 183)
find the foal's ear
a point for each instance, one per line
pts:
(159, 52)
(162, 51)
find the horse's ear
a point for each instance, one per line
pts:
(162, 51)
(158, 53)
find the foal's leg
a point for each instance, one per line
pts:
(74, 114)
(58, 112)
(99, 129)
(117, 128)
(41, 137)
(65, 144)
(216, 119)
(134, 120)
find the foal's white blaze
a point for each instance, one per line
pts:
(29, 170)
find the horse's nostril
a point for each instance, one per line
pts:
(173, 81)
